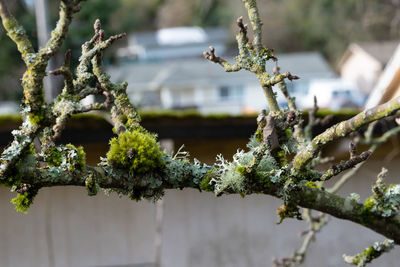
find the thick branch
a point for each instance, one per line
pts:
(67, 9)
(213, 58)
(256, 22)
(16, 32)
(191, 175)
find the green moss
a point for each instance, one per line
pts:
(288, 210)
(366, 211)
(263, 179)
(241, 169)
(137, 151)
(36, 118)
(312, 185)
(280, 157)
(80, 163)
(368, 255)
(68, 157)
(370, 203)
(205, 184)
(23, 201)
(259, 135)
(54, 157)
(347, 112)
(91, 186)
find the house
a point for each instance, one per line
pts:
(195, 83)
(363, 63)
(175, 42)
(388, 85)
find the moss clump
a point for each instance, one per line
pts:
(288, 210)
(80, 161)
(37, 117)
(206, 184)
(370, 203)
(68, 157)
(312, 185)
(24, 200)
(241, 169)
(91, 186)
(54, 157)
(259, 135)
(137, 151)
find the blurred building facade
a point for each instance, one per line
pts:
(388, 84)
(165, 70)
(195, 83)
(363, 63)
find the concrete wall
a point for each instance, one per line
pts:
(65, 227)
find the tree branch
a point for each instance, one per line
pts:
(342, 129)
(67, 9)
(16, 32)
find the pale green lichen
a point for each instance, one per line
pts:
(66, 157)
(370, 253)
(386, 199)
(231, 175)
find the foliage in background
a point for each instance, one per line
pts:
(326, 26)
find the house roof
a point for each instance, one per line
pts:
(195, 71)
(380, 51)
(179, 36)
(388, 85)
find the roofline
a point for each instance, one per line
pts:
(385, 79)
(353, 47)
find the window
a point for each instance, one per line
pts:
(226, 93)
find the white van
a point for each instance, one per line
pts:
(333, 94)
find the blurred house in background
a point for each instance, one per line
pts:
(195, 83)
(363, 63)
(388, 85)
(165, 70)
(175, 42)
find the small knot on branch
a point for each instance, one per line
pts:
(101, 35)
(353, 150)
(97, 26)
(242, 27)
(293, 77)
(211, 56)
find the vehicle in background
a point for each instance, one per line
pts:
(333, 94)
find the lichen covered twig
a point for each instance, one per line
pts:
(277, 161)
(370, 253)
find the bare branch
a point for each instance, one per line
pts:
(348, 164)
(342, 129)
(256, 22)
(370, 253)
(67, 9)
(66, 72)
(213, 58)
(16, 32)
(285, 92)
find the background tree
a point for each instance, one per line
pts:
(324, 26)
(281, 159)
